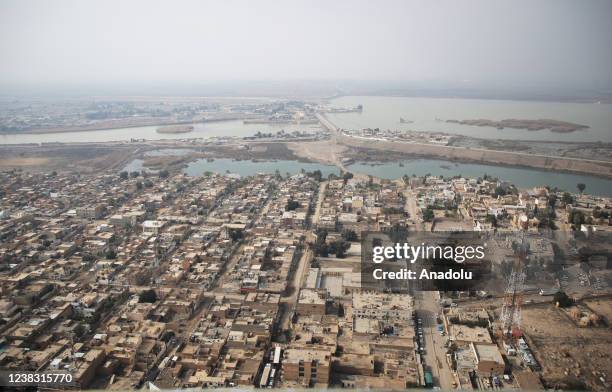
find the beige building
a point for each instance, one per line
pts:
(308, 367)
(382, 306)
(489, 360)
(91, 212)
(311, 302)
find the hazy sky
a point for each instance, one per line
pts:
(553, 42)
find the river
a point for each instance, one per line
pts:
(523, 178)
(430, 114)
(201, 130)
(424, 114)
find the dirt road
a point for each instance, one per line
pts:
(317, 213)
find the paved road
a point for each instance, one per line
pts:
(435, 353)
(333, 131)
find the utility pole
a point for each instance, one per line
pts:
(510, 316)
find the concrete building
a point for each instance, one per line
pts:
(311, 301)
(489, 360)
(382, 305)
(308, 367)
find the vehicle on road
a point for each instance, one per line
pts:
(428, 379)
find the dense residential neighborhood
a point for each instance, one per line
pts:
(173, 281)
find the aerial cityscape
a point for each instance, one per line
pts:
(293, 231)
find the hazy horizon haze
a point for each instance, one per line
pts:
(545, 44)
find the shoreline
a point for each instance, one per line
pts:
(409, 150)
(114, 156)
(415, 157)
(45, 131)
(483, 156)
(593, 168)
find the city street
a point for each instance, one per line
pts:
(435, 353)
(289, 300)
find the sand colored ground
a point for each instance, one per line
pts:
(84, 158)
(602, 307)
(23, 162)
(326, 151)
(561, 347)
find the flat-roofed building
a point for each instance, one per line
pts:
(91, 212)
(311, 301)
(309, 367)
(488, 359)
(152, 227)
(371, 304)
(465, 334)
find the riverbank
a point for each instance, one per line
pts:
(177, 156)
(429, 115)
(116, 124)
(483, 156)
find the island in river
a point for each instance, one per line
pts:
(530, 125)
(175, 129)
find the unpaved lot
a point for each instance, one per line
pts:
(566, 352)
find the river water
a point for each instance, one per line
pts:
(201, 130)
(430, 114)
(523, 178)
(426, 114)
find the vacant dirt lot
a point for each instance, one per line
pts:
(569, 355)
(75, 158)
(16, 162)
(603, 307)
(323, 151)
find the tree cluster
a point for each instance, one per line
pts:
(337, 247)
(428, 214)
(292, 205)
(148, 296)
(562, 299)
